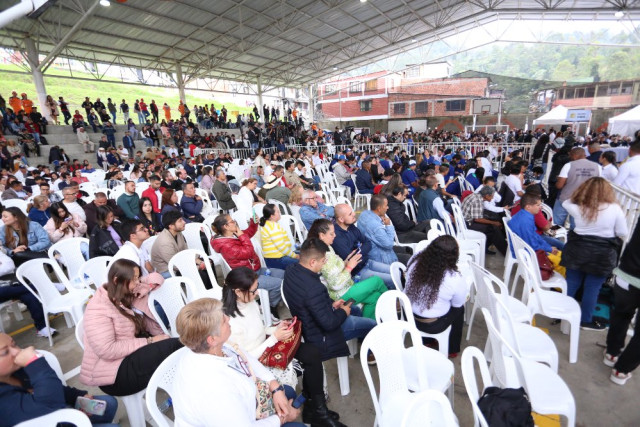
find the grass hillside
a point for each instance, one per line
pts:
(74, 91)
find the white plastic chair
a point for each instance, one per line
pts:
(171, 299)
(16, 203)
(71, 303)
(358, 198)
(134, 403)
(397, 269)
(185, 262)
(95, 271)
(410, 210)
(470, 383)
(465, 234)
(67, 415)
(386, 342)
(116, 192)
(485, 285)
(70, 251)
(163, 378)
(10, 306)
(284, 210)
(551, 304)
(429, 408)
(295, 235)
(439, 369)
(148, 244)
(548, 393)
(386, 311)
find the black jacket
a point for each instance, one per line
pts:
(630, 260)
(101, 243)
(397, 215)
(591, 254)
(309, 300)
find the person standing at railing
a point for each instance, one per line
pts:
(629, 173)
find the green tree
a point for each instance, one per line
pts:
(564, 71)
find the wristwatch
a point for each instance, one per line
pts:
(275, 390)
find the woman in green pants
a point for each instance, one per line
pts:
(336, 273)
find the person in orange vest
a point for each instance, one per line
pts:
(181, 108)
(167, 111)
(27, 104)
(15, 102)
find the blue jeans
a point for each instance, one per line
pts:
(560, 215)
(113, 116)
(592, 284)
(141, 118)
(271, 284)
(553, 241)
(106, 419)
(21, 293)
(291, 394)
(280, 263)
(356, 326)
(375, 268)
(112, 140)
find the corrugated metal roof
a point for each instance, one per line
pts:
(288, 42)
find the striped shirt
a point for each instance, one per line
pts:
(275, 241)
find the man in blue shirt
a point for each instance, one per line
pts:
(410, 177)
(523, 224)
(364, 182)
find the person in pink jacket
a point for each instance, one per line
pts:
(123, 343)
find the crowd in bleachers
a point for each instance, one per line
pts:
(329, 236)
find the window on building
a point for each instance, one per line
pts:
(355, 87)
(568, 93)
(627, 88)
(614, 89)
(365, 105)
(561, 94)
(413, 72)
(371, 84)
(456, 105)
(399, 108)
(421, 107)
(329, 89)
(590, 92)
(318, 107)
(602, 90)
(580, 93)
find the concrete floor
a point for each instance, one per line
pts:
(599, 401)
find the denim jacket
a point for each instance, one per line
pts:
(381, 237)
(37, 238)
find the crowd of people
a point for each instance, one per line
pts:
(331, 280)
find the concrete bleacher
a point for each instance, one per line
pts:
(64, 137)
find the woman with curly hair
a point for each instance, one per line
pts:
(437, 290)
(591, 252)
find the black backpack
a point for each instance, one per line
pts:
(506, 407)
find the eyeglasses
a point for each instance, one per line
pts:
(143, 230)
(253, 292)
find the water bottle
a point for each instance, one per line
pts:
(267, 272)
(164, 406)
(356, 278)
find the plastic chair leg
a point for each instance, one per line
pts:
(353, 347)
(473, 315)
(343, 375)
(573, 328)
(134, 404)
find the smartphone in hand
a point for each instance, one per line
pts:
(292, 322)
(91, 406)
(349, 302)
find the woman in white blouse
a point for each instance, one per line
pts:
(437, 290)
(218, 380)
(246, 196)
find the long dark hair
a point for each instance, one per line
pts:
(267, 212)
(57, 219)
(431, 265)
(101, 215)
(320, 225)
(242, 279)
(21, 228)
(121, 273)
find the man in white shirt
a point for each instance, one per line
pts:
(70, 200)
(629, 172)
(514, 182)
(608, 163)
(135, 233)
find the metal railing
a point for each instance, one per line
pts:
(630, 203)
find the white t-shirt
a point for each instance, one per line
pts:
(515, 185)
(440, 179)
(129, 251)
(629, 175)
(609, 172)
(75, 208)
(486, 164)
(452, 293)
(609, 223)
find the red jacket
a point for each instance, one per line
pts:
(151, 194)
(238, 251)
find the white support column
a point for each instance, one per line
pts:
(312, 103)
(180, 83)
(259, 92)
(38, 78)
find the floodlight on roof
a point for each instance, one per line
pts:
(105, 3)
(619, 14)
(363, 1)
(335, 68)
(413, 40)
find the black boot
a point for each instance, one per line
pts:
(316, 413)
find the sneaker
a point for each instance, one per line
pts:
(609, 360)
(371, 359)
(594, 325)
(618, 377)
(47, 333)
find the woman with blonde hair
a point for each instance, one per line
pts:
(591, 252)
(296, 195)
(218, 380)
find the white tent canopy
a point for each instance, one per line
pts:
(625, 124)
(557, 116)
